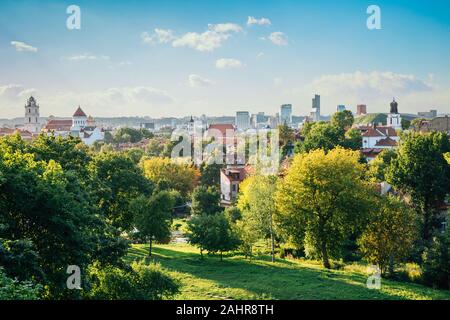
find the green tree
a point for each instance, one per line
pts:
(256, 202)
(390, 234)
(210, 174)
(117, 181)
(343, 119)
(153, 217)
(323, 199)
(205, 200)
(322, 136)
(212, 233)
(421, 172)
(12, 289)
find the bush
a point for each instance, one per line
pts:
(11, 289)
(140, 282)
(436, 263)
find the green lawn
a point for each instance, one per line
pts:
(238, 278)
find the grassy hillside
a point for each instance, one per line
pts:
(238, 278)
(379, 117)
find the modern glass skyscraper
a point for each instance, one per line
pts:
(242, 120)
(286, 114)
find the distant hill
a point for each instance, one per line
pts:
(380, 118)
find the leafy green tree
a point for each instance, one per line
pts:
(421, 172)
(118, 180)
(390, 234)
(379, 166)
(286, 134)
(343, 119)
(353, 139)
(436, 260)
(177, 176)
(205, 200)
(323, 199)
(210, 174)
(212, 233)
(153, 217)
(257, 203)
(322, 136)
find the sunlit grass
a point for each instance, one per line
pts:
(239, 278)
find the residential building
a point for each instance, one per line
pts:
(428, 114)
(230, 179)
(361, 109)
(375, 139)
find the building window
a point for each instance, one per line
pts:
(29, 120)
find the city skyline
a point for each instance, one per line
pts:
(159, 60)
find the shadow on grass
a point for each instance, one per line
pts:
(282, 280)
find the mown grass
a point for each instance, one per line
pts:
(239, 278)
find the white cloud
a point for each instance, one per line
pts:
(209, 40)
(259, 55)
(375, 89)
(259, 22)
(225, 27)
(278, 81)
(369, 85)
(23, 47)
(14, 91)
(159, 36)
(228, 63)
(87, 57)
(278, 38)
(196, 81)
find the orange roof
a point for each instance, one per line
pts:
(79, 113)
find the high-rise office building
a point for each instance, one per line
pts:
(340, 108)
(286, 114)
(242, 120)
(315, 112)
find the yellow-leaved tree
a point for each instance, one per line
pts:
(167, 174)
(322, 199)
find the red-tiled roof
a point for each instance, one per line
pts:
(386, 142)
(371, 152)
(222, 128)
(380, 132)
(79, 113)
(59, 125)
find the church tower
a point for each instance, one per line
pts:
(31, 122)
(394, 119)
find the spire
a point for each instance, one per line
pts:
(79, 113)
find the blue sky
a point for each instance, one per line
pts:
(174, 58)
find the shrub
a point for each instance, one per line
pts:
(11, 289)
(140, 282)
(436, 262)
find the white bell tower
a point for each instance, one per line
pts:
(394, 119)
(31, 122)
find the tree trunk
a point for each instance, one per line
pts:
(150, 248)
(201, 253)
(326, 261)
(272, 239)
